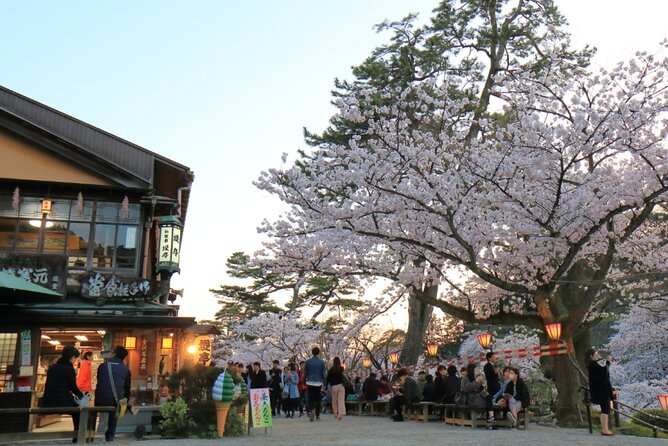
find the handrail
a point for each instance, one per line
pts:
(654, 428)
(651, 415)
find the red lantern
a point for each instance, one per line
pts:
(553, 331)
(394, 358)
(432, 349)
(485, 340)
(366, 362)
(663, 401)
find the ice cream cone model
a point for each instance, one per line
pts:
(223, 393)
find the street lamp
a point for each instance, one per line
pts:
(366, 362)
(432, 349)
(663, 400)
(394, 358)
(485, 340)
(553, 331)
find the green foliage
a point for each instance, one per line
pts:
(662, 423)
(193, 415)
(194, 384)
(176, 421)
(244, 302)
(234, 425)
(631, 428)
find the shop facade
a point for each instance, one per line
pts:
(96, 223)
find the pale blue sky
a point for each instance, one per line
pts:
(225, 87)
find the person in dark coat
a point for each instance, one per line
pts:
(439, 383)
(61, 383)
(516, 394)
(600, 386)
(409, 395)
(104, 395)
(493, 385)
(452, 384)
(275, 387)
(258, 377)
(429, 390)
(370, 388)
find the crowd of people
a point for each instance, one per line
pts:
(303, 388)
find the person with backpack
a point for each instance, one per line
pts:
(113, 387)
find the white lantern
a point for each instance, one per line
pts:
(169, 245)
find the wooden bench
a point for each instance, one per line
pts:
(85, 433)
(360, 407)
(422, 411)
(461, 415)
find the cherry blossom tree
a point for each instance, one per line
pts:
(522, 218)
(270, 336)
(640, 353)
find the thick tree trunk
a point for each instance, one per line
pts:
(568, 380)
(419, 314)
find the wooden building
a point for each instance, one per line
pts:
(80, 211)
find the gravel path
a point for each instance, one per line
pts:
(375, 431)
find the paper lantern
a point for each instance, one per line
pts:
(394, 358)
(366, 362)
(432, 349)
(169, 244)
(130, 342)
(485, 340)
(553, 331)
(167, 343)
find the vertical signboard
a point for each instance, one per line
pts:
(260, 408)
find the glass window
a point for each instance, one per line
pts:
(8, 342)
(60, 210)
(126, 253)
(27, 238)
(84, 214)
(7, 231)
(77, 244)
(6, 207)
(30, 208)
(133, 214)
(106, 212)
(103, 246)
(54, 237)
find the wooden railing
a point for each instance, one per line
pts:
(87, 422)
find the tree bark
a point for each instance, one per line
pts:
(568, 380)
(419, 314)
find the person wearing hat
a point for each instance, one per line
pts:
(61, 384)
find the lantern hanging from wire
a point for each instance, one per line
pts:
(432, 349)
(485, 340)
(553, 331)
(366, 362)
(394, 358)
